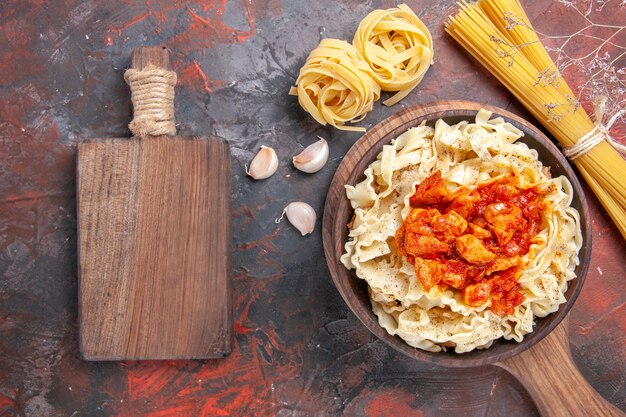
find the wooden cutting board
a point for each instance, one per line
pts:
(154, 244)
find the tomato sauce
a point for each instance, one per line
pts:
(472, 239)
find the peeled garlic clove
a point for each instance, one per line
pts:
(302, 216)
(313, 158)
(264, 164)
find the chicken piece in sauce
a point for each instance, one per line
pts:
(504, 220)
(465, 202)
(433, 190)
(473, 250)
(450, 223)
(420, 245)
(431, 273)
(477, 294)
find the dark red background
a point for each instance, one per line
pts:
(298, 350)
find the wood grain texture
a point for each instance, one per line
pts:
(157, 56)
(154, 244)
(154, 248)
(548, 372)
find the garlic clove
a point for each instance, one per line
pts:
(301, 216)
(313, 157)
(264, 164)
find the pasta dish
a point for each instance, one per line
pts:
(462, 235)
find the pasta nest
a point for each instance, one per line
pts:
(335, 85)
(398, 48)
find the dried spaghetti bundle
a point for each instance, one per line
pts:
(499, 35)
(335, 86)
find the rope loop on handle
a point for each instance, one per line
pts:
(152, 94)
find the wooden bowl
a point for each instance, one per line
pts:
(545, 369)
(338, 212)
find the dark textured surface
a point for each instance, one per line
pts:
(298, 350)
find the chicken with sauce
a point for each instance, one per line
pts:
(472, 239)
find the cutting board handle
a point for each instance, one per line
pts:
(145, 57)
(152, 82)
(548, 372)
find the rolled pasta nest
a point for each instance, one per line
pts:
(398, 47)
(335, 86)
